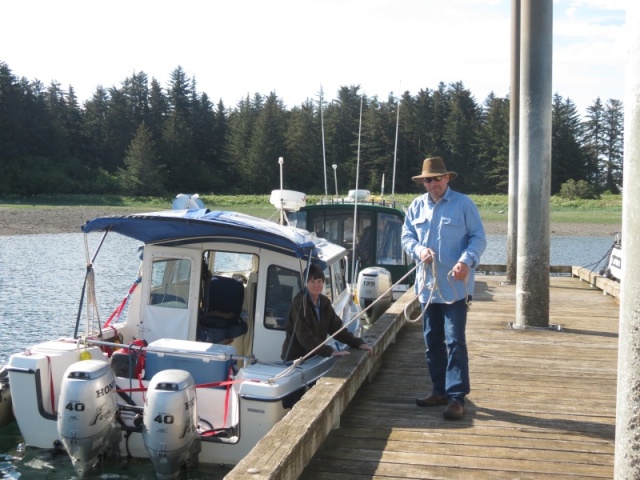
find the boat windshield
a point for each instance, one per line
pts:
(389, 245)
(170, 278)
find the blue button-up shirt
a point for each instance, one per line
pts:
(453, 229)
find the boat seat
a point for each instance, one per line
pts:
(221, 322)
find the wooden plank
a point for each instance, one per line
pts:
(490, 269)
(608, 286)
(290, 445)
(542, 403)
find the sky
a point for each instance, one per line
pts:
(235, 48)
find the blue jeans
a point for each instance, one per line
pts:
(447, 358)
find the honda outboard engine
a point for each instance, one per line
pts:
(373, 283)
(170, 422)
(86, 412)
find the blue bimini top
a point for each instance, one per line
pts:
(179, 227)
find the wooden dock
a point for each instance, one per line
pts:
(542, 403)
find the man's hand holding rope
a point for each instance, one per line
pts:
(460, 271)
(426, 255)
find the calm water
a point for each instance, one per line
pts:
(41, 278)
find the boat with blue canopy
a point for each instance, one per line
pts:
(187, 368)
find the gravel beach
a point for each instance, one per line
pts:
(40, 220)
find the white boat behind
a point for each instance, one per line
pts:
(613, 270)
(380, 261)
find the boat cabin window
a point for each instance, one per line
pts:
(282, 285)
(339, 279)
(170, 279)
(389, 245)
(298, 220)
(230, 262)
(328, 283)
(338, 228)
(365, 241)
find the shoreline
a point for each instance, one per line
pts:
(69, 219)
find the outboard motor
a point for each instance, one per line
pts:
(87, 409)
(374, 282)
(170, 422)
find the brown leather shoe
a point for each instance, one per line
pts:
(454, 411)
(432, 400)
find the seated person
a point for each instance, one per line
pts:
(311, 319)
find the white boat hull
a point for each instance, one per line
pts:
(614, 267)
(253, 403)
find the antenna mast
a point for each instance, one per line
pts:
(395, 154)
(324, 155)
(281, 163)
(355, 200)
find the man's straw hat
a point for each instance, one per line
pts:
(433, 167)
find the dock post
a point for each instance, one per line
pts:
(514, 127)
(627, 455)
(534, 177)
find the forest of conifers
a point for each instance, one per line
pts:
(141, 138)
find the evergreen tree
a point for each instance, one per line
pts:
(225, 173)
(494, 146)
(461, 137)
(260, 167)
(436, 144)
(614, 145)
(135, 90)
(48, 143)
(406, 153)
(203, 123)
(594, 142)
(121, 129)
(303, 163)
(568, 158)
(74, 125)
(13, 113)
(96, 130)
(142, 174)
(241, 125)
(377, 145)
(342, 121)
(178, 154)
(417, 122)
(158, 111)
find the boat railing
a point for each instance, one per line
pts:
(349, 201)
(221, 356)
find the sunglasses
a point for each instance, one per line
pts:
(433, 179)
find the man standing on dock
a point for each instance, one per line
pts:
(444, 234)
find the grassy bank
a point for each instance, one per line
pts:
(606, 210)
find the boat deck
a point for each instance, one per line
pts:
(542, 403)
